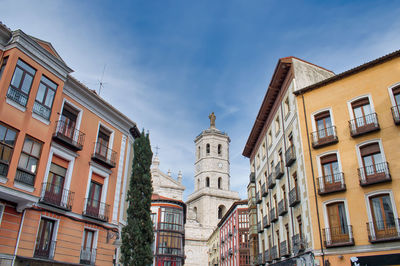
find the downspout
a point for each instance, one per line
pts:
(313, 179)
(19, 236)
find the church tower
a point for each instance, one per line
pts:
(212, 196)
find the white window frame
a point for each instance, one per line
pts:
(100, 172)
(95, 239)
(350, 108)
(319, 166)
(370, 141)
(78, 119)
(326, 218)
(314, 114)
(110, 143)
(55, 232)
(390, 91)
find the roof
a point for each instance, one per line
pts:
(156, 197)
(239, 202)
(48, 46)
(350, 72)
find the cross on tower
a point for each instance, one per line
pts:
(156, 148)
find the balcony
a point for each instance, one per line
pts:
(384, 231)
(331, 183)
(17, 96)
(260, 260)
(25, 177)
(279, 170)
(258, 198)
(284, 249)
(267, 256)
(68, 136)
(260, 228)
(266, 222)
(338, 236)
(57, 196)
(264, 191)
(3, 167)
(253, 230)
(96, 210)
(373, 174)
(324, 137)
(282, 207)
(252, 201)
(274, 253)
(45, 249)
(396, 114)
(294, 197)
(299, 243)
(171, 227)
(41, 110)
(273, 215)
(290, 156)
(104, 155)
(363, 125)
(88, 256)
(271, 181)
(252, 177)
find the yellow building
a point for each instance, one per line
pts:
(213, 248)
(351, 137)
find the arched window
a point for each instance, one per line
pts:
(207, 181)
(198, 152)
(221, 211)
(198, 183)
(195, 213)
(208, 148)
(219, 149)
(219, 182)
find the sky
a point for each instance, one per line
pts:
(169, 63)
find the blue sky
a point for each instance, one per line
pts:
(169, 63)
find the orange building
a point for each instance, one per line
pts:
(64, 160)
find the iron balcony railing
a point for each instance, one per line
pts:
(274, 253)
(396, 114)
(42, 110)
(68, 135)
(104, 155)
(258, 198)
(3, 167)
(290, 155)
(252, 177)
(298, 243)
(26, 177)
(260, 228)
(294, 197)
(57, 196)
(96, 209)
(338, 236)
(284, 249)
(252, 201)
(384, 230)
(324, 137)
(279, 170)
(273, 215)
(267, 256)
(45, 249)
(364, 124)
(263, 190)
(88, 256)
(331, 183)
(17, 96)
(260, 259)
(271, 181)
(163, 226)
(266, 222)
(372, 174)
(282, 207)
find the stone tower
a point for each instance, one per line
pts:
(212, 196)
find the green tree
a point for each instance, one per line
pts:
(137, 235)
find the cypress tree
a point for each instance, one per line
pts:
(137, 235)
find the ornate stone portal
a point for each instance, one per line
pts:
(212, 196)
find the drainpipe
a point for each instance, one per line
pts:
(19, 236)
(313, 179)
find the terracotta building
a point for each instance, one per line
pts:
(65, 156)
(351, 138)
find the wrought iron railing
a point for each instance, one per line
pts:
(17, 96)
(372, 174)
(57, 196)
(294, 197)
(338, 236)
(266, 222)
(41, 110)
(279, 170)
(274, 253)
(331, 183)
(96, 209)
(298, 243)
(290, 155)
(88, 256)
(260, 228)
(267, 256)
(104, 154)
(170, 227)
(273, 215)
(396, 114)
(25, 177)
(271, 181)
(282, 207)
(384, 230)
(323, 137)
(69, 135)
(3, 167)
(364, 124)
(284, 249)
(45, 249)
(263, 190)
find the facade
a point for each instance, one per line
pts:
(234, 236)
(274, 148)
(212, 196)
(252, 212)
(65, 155)
(213, 245)
(351, 138)
(169, 217)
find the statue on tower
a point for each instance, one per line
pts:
(212, 118)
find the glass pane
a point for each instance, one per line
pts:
(10, 137)
(5, 153)
(367, 109)
(342, 217)
(387, 208)
(3, 130)
(377, 212)
(36, 149)
(26, 85)
(378, 158)
(23, 161)
(397, 98)
(27, 145)
(32, 164)
(327, 172)
(16, 80)
(359, 116)
(89, 237)
(41, 92)
(328, 122)
(26, 67)
(49, 98)
(97, 190)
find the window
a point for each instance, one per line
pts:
(88, 253)
(382, 216)
(7, 142)
(170, 244)
(207, 148)
(338, 229)
(44, 240)
(372, 160)
(221, 210)
(286, 107)
(207, 182)
(396, 107)
(45, 97)
(171, 219)
(198, 152)
(21, 83)
(219, 149)
(324, 125)
(55, 185)
(3, 66)
(153, 218)
(219, 182)
(361, 110)
(330, 168)
(94, 197)
(277, 125)
(103, 140)
(269, 139)
(28, 161)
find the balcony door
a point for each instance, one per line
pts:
(372, 160)
(383, 216)
(362, 111)
(103, 139)
(87, 253)
(93, 201)
(338, 229)
(324, 125)
(68, 121)
(44, 238)
(330, 170)
(55, 184)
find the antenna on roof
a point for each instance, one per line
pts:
(101, 83)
